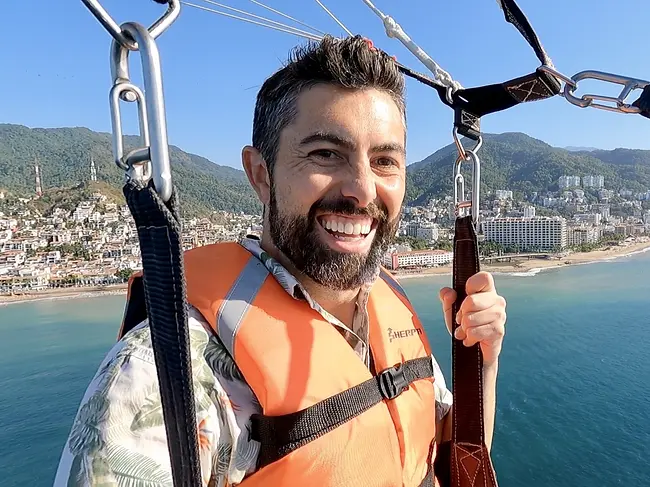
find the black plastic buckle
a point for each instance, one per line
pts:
(392, 382)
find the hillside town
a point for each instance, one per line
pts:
(96, 243)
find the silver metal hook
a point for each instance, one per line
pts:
(153, 125)
(460, 203)
(157, 28)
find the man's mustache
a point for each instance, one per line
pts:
(349, 207)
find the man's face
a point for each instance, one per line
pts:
(338, 185)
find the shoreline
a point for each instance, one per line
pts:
(530, 267)
(64, 293)
(521, 267)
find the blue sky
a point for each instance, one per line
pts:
(55, 70)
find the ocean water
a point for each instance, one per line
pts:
(573, 400)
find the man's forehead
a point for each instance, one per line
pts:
(348, 113)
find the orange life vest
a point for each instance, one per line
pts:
(318, 427)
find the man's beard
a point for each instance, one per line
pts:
(297, 237)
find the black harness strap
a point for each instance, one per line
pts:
(470, 104)
(280, 435)
(516, 17)
(643, 102)
(163, 282)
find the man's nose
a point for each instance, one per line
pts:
(360, 184)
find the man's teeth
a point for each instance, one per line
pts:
(347, 227)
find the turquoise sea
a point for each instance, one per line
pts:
(573, 394)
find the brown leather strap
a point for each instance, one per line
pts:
(470, 461)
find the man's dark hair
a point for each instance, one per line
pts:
(349, 63)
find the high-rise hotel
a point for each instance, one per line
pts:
(538, 232)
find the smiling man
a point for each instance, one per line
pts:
(310, 365)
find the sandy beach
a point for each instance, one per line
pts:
(527, 266)
(517, 266)
(63, 293)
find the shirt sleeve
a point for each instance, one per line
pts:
(118, 435)
(444, 397)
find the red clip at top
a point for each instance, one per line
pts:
(371, 45)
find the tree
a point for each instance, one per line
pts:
(123, 274)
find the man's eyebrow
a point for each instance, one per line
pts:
(349, 143)
(329, 137)
(389, 147)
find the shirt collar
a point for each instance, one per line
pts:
(291, 285)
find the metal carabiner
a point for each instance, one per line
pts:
(629, 84)
(462, 152)
(460, 203)
(157, 28)
(151, 109)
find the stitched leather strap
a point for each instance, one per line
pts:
(469, 457)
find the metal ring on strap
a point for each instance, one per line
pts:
(157, 28)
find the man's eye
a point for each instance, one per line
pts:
(385, 162)
(324, 153)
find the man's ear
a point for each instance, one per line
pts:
(257, 172)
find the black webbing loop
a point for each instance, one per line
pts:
(643, 103)
(159, 231)
(516, 17)
(471, 104)
(280, 435)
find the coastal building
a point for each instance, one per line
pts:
(590, 218)
(544, 233)
(583, 235)
(417, 258)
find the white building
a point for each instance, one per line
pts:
(529, 211)
(428, 233)
(502, 194)
(568, 182)
(540, 232)
(603, 209)
(592, 218)
(583, 235)
(417, 258)
(83, 211)
(593, 181)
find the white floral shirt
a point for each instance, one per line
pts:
(118, 436)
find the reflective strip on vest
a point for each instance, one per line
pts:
(238, 300)
(392, 282)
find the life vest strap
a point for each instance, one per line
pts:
(280, 435)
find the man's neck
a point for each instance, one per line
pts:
(341, 304)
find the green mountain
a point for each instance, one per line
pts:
(523, 164)
(512, 161)
(64, 155)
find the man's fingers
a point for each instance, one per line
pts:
(491, 315)
(481, 301)
(480, 282)
(460, 333)
(447, 297)
(478, 334)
